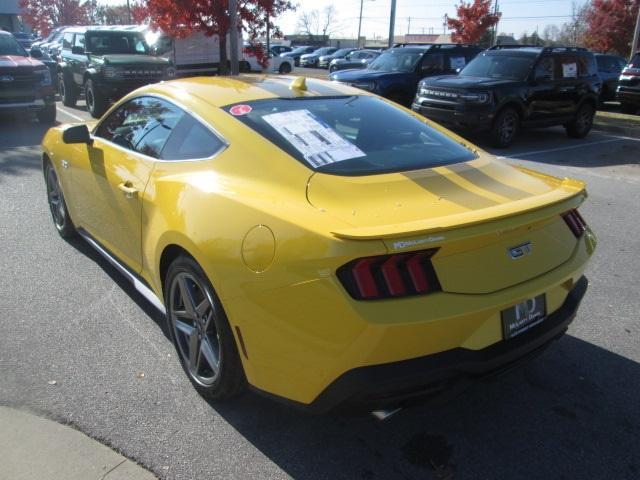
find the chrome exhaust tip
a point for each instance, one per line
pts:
(385, 414)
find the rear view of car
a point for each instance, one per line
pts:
(609, 69)
(628, 93)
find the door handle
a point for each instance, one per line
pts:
(128, 189)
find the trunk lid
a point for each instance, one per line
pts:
(474, 212)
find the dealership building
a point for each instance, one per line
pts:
(10, 15)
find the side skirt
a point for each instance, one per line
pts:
(138, 283)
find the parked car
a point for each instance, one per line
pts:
(41, 43)
(297, 52)
(25, 82)
(396, 72)
(609, 69)
(24, 39)
(276, 63)
(311, 248)
(49, 62)
(325, 60)
(52, 40)
(107, 63)
(279, 49)
(355, 60)
(628, 93)
(509, 87)
(311, 59)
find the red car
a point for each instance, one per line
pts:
(25, 82)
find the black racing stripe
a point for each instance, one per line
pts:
(482, 180)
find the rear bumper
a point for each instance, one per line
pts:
(628, 96)
(402, 382)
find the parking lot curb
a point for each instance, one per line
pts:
(36, 448)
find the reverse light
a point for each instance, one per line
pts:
(390, 276)
(575, 222)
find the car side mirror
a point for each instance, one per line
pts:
(77, 134)
(77, 50)
(36, 53)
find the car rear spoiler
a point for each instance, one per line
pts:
(568, 194)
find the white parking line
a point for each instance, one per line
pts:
(76, 117)
(570, 147)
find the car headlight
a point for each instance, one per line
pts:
(46, 77)
(365, 85)
(170, 72)
(475, 97)
(110, 72)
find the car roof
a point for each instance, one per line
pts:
(204, 92)
(106, 28)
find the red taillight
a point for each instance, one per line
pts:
(388, 276)
(575, 222)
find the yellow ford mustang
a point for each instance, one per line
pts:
(319, 243)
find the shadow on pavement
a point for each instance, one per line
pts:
(20, 139)
(571, 413)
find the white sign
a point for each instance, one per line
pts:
(570, 70)
(319, 144)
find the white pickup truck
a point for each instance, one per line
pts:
(199, 54)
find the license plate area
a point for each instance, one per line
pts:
(523, 316)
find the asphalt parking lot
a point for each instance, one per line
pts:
(69, 317)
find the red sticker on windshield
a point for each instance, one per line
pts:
(238, 110)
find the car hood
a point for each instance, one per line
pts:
(456, 81)
(430, 200)
(363, 75)
(18, 61)
(126, 59)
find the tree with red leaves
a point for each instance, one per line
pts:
(43, 15)
(180, 19)
(610, 25)
(474, 19)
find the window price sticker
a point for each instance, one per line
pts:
(315, 140)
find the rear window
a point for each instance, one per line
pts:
(355, 135)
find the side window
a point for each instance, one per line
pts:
(190, 141)
(143, 124)
(79, 41)
(432, 63)
(587, 65)
(545, 69)
(67, 41)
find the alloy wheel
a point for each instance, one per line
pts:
(56, 202)
(508, 128)
(192, 312)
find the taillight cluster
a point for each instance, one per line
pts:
(390, 276)
(575, 222)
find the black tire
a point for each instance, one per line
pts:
(580, 126)
(332, 69)
(68, 91)
(47, 116)
(57, 205)
(244, 67)
(97, 103)
(505, 128)
(207, 330)
(285, 68)
(628, 108)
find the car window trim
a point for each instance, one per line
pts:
(224, 143)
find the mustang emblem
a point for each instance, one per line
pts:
(519, 250)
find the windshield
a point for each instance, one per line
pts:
(9, 46)
(357, 135)
(511, 67)
(342, 52)
(299, 50)
(102, 43)
(397, 61)
(323, 51)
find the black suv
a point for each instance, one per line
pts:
(512, 86)
(107, 63)
(395, 74)
(628, 93)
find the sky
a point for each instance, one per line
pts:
(518, 16)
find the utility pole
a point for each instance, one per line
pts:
(129, 11)
(444, 24)
(635, 46)
(359, 23)
(409, 27)
(233, 36)
(392, 23)
(495, 27)
(268, 36)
